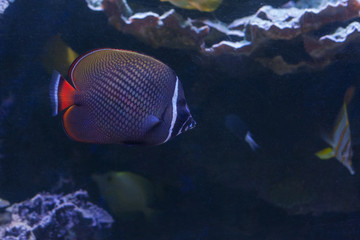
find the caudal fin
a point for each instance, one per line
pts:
(61, 93)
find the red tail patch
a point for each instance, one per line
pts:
(61, 93)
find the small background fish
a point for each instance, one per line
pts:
(340, 137)
(127, 194)
(240, 130)
(58, 55)
(201, 5)
(4, 203)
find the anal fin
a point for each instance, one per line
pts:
(79, 126)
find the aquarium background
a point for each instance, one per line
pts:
(210, 184)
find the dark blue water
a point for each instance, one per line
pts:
(213, 186)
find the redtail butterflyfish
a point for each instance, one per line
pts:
(340, 139)
(118, 96)
(201, 5)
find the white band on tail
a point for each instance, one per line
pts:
(174, 108)
(54, 87)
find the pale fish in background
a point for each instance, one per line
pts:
(58, 55)
(340, 138)
(126, 193)
(201, 5)
(4, 203)
(240, 130)
(5, 217)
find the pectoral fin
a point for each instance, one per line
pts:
(150, 122)
(326, 153)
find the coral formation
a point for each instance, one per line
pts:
(4, 4)
(48, 216)
(298, 25)
(327, 45)
(168, 30)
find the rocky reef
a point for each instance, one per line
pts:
(49, 216)
(308, 29)
(4, 4)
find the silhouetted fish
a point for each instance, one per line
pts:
(57, 55)
(120, 96)
(201, 5)
(240, 130)
(126, 193)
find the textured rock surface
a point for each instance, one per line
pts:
(298, 25)
(168, 30)
(48, 216)
(4, 4)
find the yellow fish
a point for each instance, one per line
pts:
(57, 55)
(201, 5)
(126, 193)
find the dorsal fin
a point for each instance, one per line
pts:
(349, 94)
(78, 59)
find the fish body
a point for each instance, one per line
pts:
(201, 5)
(125, 193)
(340, 142)
(120, 96)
